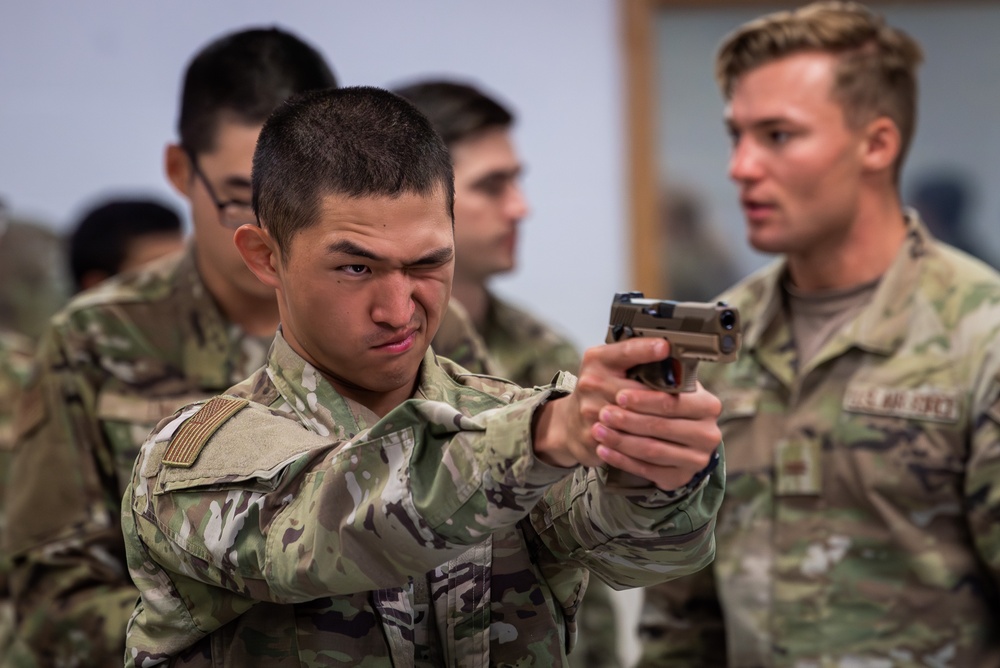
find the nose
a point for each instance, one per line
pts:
(744, 164)
(515, 203)
(393, 304)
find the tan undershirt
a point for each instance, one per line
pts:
(816, 317)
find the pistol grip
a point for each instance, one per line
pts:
(689, 375)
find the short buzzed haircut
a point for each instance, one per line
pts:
(243, 77)
(876, 75)
(457, 110)
(354, 142)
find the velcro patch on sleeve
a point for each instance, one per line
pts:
(187, 443)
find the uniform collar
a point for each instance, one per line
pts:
(882, 325)
(322, 409)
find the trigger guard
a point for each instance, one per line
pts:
(665, 375)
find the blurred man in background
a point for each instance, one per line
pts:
(862, 419)
(489, 208)
(120, 357)
(120, 235)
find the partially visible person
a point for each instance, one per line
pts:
(125, 354)
(34, 282)
(363, 501)
(943, 199)
(489, 207)
(861, 524)
(15, 365)
(120, 235)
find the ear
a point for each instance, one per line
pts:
(260, 253)
(178, 167)
(881, 144)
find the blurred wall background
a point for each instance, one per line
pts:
(88, 99)
(951, 169)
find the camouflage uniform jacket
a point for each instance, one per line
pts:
(306, 533)
(525, 350)
(458, 340)
(34, 276)
(534, 353)
(15, 366)
(861, 524)
(113, 362)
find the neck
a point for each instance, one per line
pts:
(255, 314)
(473, 296)
(379, 403)
(859, 255)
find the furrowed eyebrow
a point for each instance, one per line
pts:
(439, 256)
(435, 257)
(350, 248)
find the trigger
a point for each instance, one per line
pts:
(672, 372)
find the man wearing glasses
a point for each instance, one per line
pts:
(123, 356)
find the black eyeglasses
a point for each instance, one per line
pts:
(233, 213)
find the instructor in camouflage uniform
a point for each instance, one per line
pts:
(119, 358)
(861, 525)
(360, 501)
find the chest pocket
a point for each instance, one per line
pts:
(127, 420)
(738, 422)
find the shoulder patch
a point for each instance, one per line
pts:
(187, 443)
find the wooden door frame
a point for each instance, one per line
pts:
(637, 20)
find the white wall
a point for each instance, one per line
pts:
(88, 97)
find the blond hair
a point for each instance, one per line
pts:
(876, 75)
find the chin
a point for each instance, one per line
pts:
(764, 243)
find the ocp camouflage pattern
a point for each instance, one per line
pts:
(112, 363)
(15, 367)
(529, 352)
(861, 525)
(34, 275)
(525, 349)
(308, 534)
